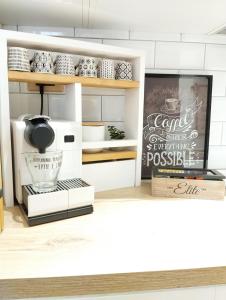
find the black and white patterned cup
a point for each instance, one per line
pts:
(64, 65)
(124, 71)
(87, 67)
(42, 62)
(106, 69)
(18, 59)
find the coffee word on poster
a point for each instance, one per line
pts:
(176, 121)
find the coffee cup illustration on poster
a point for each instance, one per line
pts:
(176, 121)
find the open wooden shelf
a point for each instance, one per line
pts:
(30, 77)
(108, 155)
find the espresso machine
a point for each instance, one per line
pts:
(34, 135)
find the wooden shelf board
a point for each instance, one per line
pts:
(30, 77)
(108, 155)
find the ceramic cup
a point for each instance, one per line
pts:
(106, 69)
(87, 67)
(42, 62)
(172, 103)
(123, 71)
(18, 59)
(64, 65)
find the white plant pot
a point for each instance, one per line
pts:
(93, 133)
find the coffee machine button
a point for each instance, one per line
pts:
(69, 138)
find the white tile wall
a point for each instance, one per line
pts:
(161, 71)
(208, 39)
(9, 27)
(99, 41)
(220, 293)
(26, 104)
(14, 87)
(218, 109)
(223, 141)
(215, 57)
(146, 46)
(54, 31)
(215, 133)
(103, 92)
(149, 36)
(113, 108)
(91, 108)
(217, 155)
(171, 55)
(196, 293)
(165, 53)
(219, 83)
(101, 33)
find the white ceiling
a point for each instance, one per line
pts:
(161, 16)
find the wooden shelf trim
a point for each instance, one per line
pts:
(108, 155)
(30, 77)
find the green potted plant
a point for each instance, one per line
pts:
(116, 134)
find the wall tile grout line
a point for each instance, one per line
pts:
(204, 60)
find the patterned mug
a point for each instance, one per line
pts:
(64, 65)
(87, 67)
(18, 59)
(42, 62)
(106, 69)
(123, 71)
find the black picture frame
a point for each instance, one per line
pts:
(208, 79)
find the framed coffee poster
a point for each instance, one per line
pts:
(176, 121)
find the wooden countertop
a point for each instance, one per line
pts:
(131, 242)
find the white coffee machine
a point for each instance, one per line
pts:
(73, 196)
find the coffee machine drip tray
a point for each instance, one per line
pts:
(72, 198)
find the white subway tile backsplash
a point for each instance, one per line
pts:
(48, 30)
(171, 55)
(26, 104)
(220, 293)
(217, 157)
(91, 108)
(215, 57)
(215, 133)
(9, 27)
(102, 91)
(161, 71)
(146, 46)
(149, 36)
(204, 38)
(219, 83)
(218, 109)
(192, 293)
(14, 87)
(113, 108)
(101, 33)
(223, 134)
(99, 41)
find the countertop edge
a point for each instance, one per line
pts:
(110, 283)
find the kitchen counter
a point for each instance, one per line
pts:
(131, 242)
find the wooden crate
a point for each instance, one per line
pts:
(188, 188)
